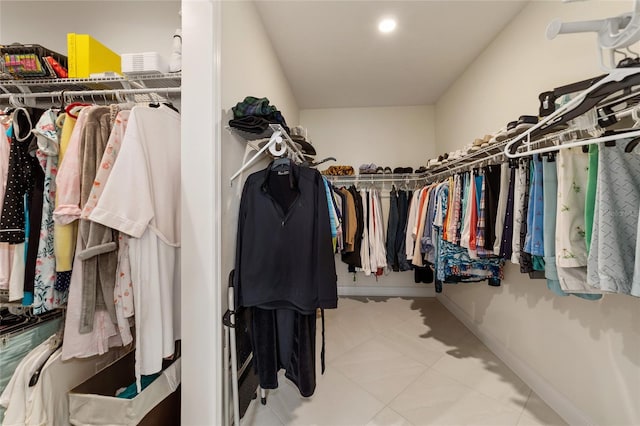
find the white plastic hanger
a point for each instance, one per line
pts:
(632, 133)
(279, 145)
(618, 32)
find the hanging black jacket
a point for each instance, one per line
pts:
(353, 258)
(284, 253)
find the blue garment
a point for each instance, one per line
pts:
(478, 179)
(534, 241)
(332, 218)
(131, 391)
(27, 298)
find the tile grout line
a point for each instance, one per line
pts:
(484, 394)
(525, 406)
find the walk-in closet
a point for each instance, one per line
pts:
(325, 213)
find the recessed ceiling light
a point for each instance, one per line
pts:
(387, 25)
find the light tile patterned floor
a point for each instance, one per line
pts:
(402, 361)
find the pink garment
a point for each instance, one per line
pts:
(68, 179)
(108, 159)
(6, 251)
(124, 281)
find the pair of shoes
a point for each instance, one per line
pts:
(403, 170)
(515, 128)
(438, 162)
(422, 169)
(457, 154)
(383, 170)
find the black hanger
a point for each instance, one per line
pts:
(591, 100)
(547, 99)
(632, 145)
(606, 116)
(36, 374)
(612, 133)
(167, 104)
(317, 163)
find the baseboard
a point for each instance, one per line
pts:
(548, 393)
(386, 291)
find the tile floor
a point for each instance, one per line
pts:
(402, 361)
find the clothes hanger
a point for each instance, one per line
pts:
(55, 345)
(275, 139)
(167, 104)
(613, 33)
(316, 164)
(16, 125)
(281, 164)
(616, 81)
(547, 99)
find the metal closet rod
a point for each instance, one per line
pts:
(374, 178)
(465, 166)
(78, 93)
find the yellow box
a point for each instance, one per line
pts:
(87, 55)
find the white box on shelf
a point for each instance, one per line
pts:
(143, 63)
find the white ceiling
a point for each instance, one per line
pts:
(334, 56)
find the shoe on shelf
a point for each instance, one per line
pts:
(501, 135)
(525, 122)
(511, 129)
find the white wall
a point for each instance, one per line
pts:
(249, 68)
(583, 357)
(387, 136)
(122, 26)
(202, 306)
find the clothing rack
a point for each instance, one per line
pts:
(377, 178)
(491, 154)
(33, 321)
(108, 95)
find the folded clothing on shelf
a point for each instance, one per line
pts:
(250, 123)
(251, 108)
